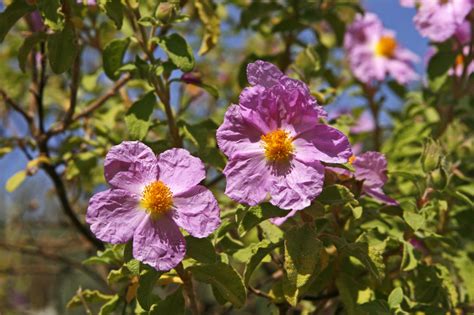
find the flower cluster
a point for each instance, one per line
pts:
(275, 143)
(149, 199)
(374, 52)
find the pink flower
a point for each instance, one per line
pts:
(374, 52)
(149, 199)
(371, 168)
(439, 19)
(275, 143)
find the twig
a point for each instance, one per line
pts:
(74, 87)
(16, 107)
(188, 288)
(55, 257)
(259, 293)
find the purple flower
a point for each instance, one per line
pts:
(374, 53)
(149, 200)
(463, 33)
(371, 168)
(36, 21)
(275, 143)
(439, 19)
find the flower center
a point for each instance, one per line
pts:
(459, 61)
(352, 159)
(443, 2)
(157, 199)
(386, 46)
(278, 145)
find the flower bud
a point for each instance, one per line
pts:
(439, 178)
(431, 157)
(165, 12)
(192, 77)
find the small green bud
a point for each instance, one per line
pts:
(431, 157)
(439, 178)
(165, 12)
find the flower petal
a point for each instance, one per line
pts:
(323, 143)
(248, 179)
(179, 170)
(371, 167)
(197, 211)
(378, 194)
(296, 185)
(263, 73)
(236, 134)
(280, 220)
(114, 215)
(130, 165)
(159, 243)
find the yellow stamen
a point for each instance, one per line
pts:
(352, 159)
(278, 145)
(386, 46)
(157, 199)
(459, 60)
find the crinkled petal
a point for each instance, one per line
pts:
(280, 220)
(197, 211)
(263, 73)
(323, 143)
(159, 243)
(179, 170)
(371, 167)
(131, 165)
(378, 194)
(248, 179)
(114, 215)
(297, 184)
(236, 135)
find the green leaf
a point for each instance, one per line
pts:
(50, 11)
(112, 255)
(302, 254)
(114, 10)
(254, 215)
(178, 50)
(409, 260)
(62, 49)
(148, 278)
(225, 279)
(200, 249)
(376, 307)
(257, 253)
(414, 220)
(207, 14)
(336, 195)
(15, 11)
(440, 63)
(172, 304)
(112, 58)
(138, 117)
(348, 289)
(395, 298)
(28, 44)
(15, 181)
(110, 306)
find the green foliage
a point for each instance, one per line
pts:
(138, 117)
(113, 57)
(15, 11)
(178, 51)
(62, 49)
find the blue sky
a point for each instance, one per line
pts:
(392, 14)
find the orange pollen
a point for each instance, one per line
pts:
(386, 46)
(459, 60)
(278, 145)
(352, 159)
(157, 199)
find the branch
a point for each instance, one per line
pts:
(66, 205)
(55, 257)
(16, 107)
(188, 288)
(74, 87)
(92, 107)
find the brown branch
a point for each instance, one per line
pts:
(16, 107)
(74, 87)
(92, 107)
(55, 257)
(188, 288)
(260, 293)
(66, 205)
